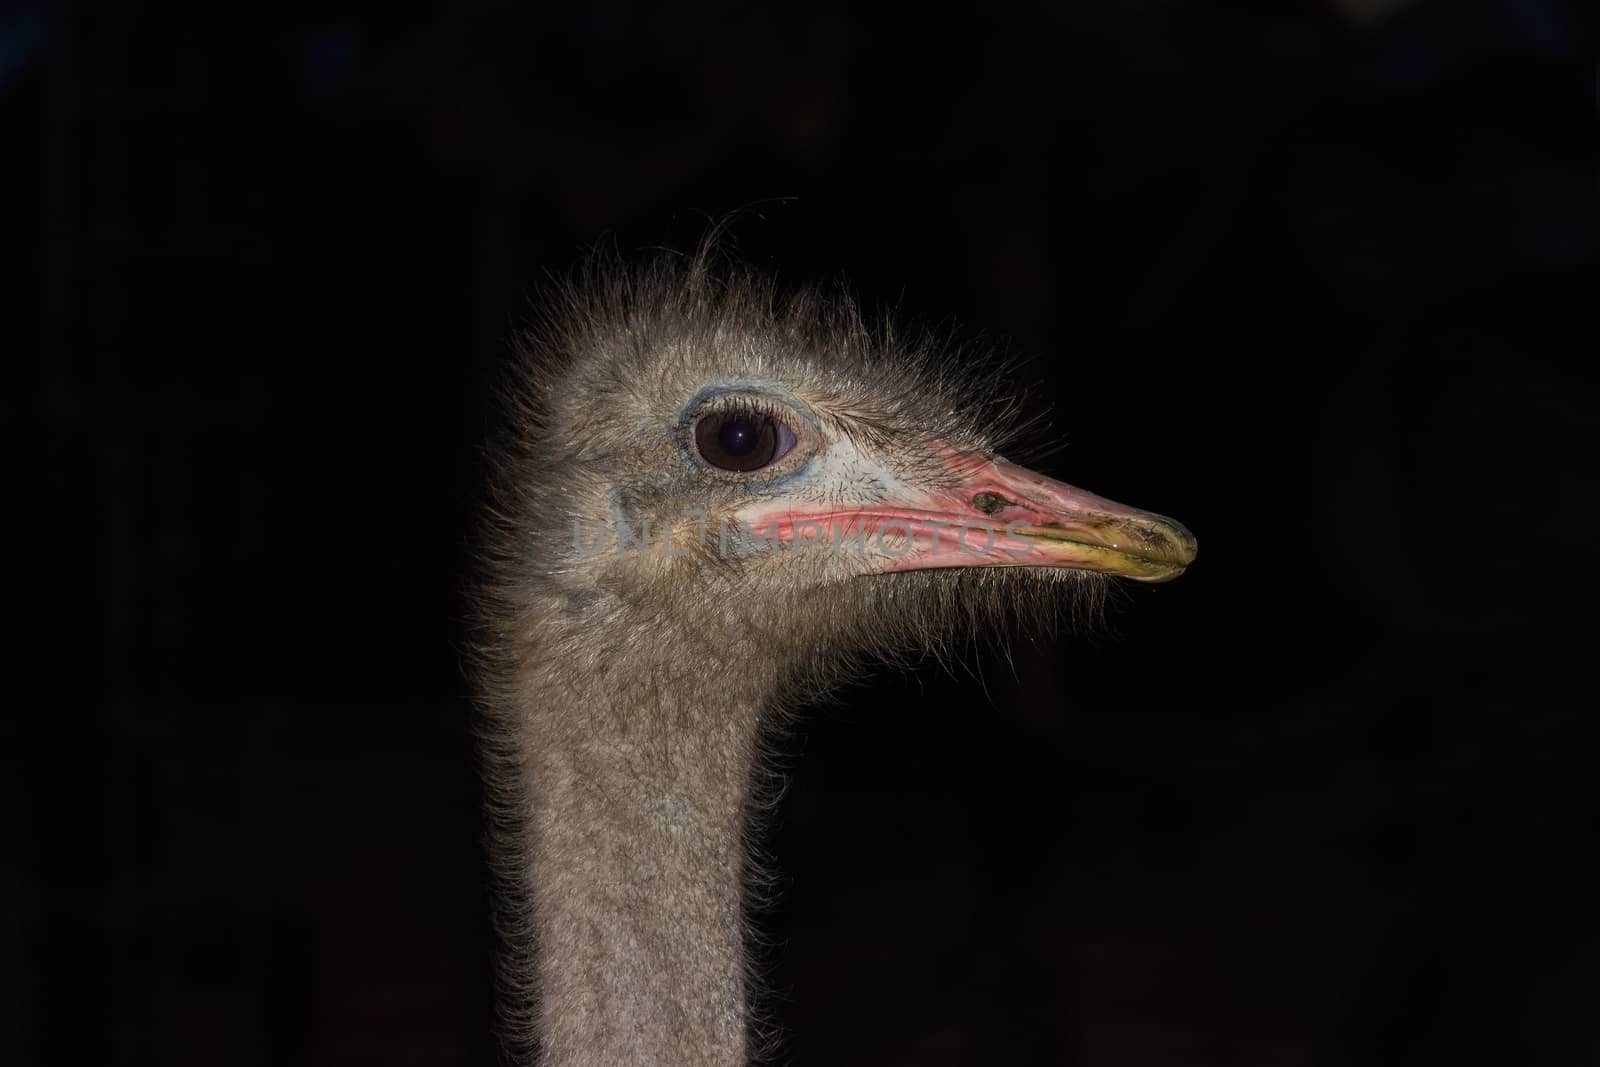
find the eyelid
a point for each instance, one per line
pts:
(786, 440)
(753, 395)
(754, 406)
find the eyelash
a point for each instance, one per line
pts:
(750, 408)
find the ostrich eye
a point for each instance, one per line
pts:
(741, 442)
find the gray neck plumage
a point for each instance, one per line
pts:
(630, 774)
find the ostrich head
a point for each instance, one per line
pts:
(778, 484)
(711, 499)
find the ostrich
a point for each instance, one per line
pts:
(714, 501)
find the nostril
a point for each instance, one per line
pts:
(989, 503)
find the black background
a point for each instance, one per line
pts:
(1316, 280)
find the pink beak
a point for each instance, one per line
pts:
(991, 513)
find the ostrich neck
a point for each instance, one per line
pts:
(637, 776)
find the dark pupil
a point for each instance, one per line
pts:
(737, 437)
(736, 442)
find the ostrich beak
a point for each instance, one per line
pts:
(1039, 522)
(987, 512)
